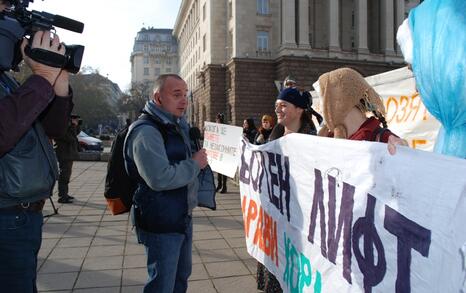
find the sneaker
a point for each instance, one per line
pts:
(70, 197)
(65, 200)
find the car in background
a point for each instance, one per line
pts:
(89, 143)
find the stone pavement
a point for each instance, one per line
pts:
(86, 249)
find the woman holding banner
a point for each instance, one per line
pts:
(346, 98)
(294, 115)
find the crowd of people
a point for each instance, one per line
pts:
(40, 109)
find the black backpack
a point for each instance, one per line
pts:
(119, 186)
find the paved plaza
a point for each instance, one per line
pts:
(86, 249)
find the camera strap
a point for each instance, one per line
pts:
(45, 57)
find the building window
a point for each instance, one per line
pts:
(157, 60)
(157, 71)
(262, 6)
(169, 61)
(262, 41)
(203, 12)
(168, 70)
(146, 71)
(203, 43)
(146, 47)
(146, 60)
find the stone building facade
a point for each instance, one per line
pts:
(233, 52)
(155, 52)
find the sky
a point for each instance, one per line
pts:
(110, 27)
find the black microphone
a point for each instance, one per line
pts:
(195, 135)
(59, 21)
(68, 23)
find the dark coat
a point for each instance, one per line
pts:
(262, 136)
(67, 146)
(33, 101)
(250, 134)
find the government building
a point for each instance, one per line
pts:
(234, 53)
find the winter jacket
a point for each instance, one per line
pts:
(163, 160)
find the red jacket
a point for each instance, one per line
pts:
(370, 130)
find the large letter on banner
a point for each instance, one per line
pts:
(332, 215)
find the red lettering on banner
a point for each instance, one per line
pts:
(251, 215)
(416, 142)
(265, 235)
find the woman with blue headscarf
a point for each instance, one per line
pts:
(433, 41)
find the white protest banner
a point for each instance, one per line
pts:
(333, 215)
(221, 143)
(406, 114)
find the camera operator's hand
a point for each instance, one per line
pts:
(57, 77)
(61, 86)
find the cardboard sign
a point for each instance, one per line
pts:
(221, 143)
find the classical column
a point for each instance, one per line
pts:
(334, 25)
(388, 27)
(400, 17)
(288, 24)
(304, 24)
(361, 26)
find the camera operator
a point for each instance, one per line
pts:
(29, 115)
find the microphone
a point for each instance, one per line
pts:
(58, 20)
(195, 135)
(68, 23)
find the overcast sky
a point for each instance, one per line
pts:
(110, 27)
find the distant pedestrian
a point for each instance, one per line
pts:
(66, 148)
(265, 130)
(249, 129)
(221, 179)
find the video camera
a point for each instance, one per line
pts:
(17, 22)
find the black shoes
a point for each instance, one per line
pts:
(66, 199)
(223, 190)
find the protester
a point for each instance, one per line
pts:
(162, 159)
(221, 179)
(28, 115)
(433, 42)
(249, 129)
(289, 82)
(67, 150)
(265, 130)
(346, 98)
(293, 116)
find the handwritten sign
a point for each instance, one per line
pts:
(221, 142)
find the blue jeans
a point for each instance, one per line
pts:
(20, 240)
(169, 260)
